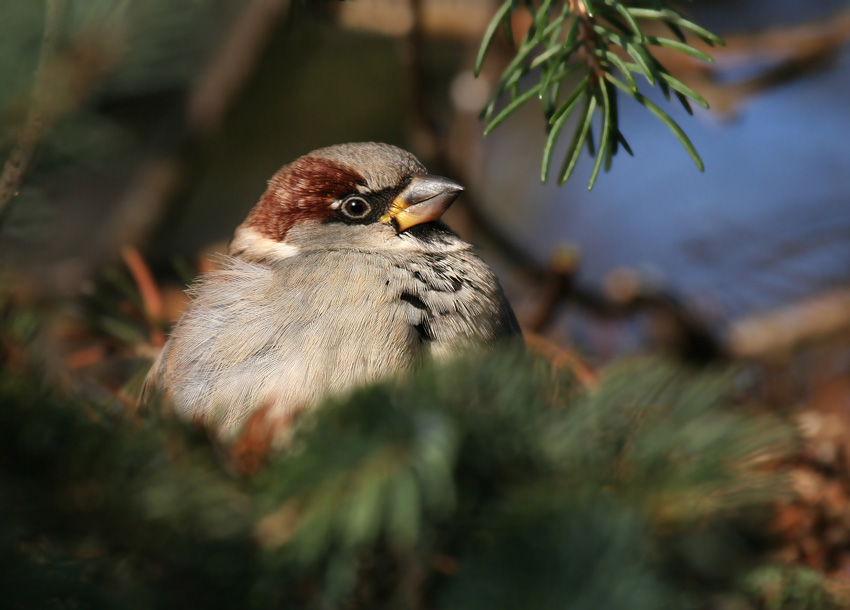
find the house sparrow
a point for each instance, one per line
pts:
(340, 275)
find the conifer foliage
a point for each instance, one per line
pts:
(585, 54)
(488, 482)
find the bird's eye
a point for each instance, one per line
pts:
(356, 208)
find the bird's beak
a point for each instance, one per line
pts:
(424, 200)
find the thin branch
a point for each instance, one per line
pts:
(149, 292)
(160, 178)
(422, 125)
(37, 118)
(795, 51)
(563, 357)
(787, 328)
(229, 70)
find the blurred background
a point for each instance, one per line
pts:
(157, 126)
(137, 135)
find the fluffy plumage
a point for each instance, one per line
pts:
(313, 302)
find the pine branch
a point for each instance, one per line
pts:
(481, 483)
(598, 39)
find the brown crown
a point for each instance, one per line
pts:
(302, 190)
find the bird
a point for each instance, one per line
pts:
(341, 275)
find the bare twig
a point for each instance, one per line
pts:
(160, 178)
(226, 75)
(443, 18)
(786, 328)
(63, 80)
(36, 118)
(563, 357)
(807, 38)
(557, 289)
(798, 49)
(422, 127)
(149, 291)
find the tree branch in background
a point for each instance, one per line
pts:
(798, 50)
(161, 176)
(63, 80)
(422, 129)
(786, 329)
(38, 117)
(234, 63)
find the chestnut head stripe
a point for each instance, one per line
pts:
(302, 190)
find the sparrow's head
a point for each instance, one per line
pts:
(363, 195)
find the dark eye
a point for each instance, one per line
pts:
(356, 208)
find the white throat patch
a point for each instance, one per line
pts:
(248, 244)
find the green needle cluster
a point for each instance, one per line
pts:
(602, 43)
